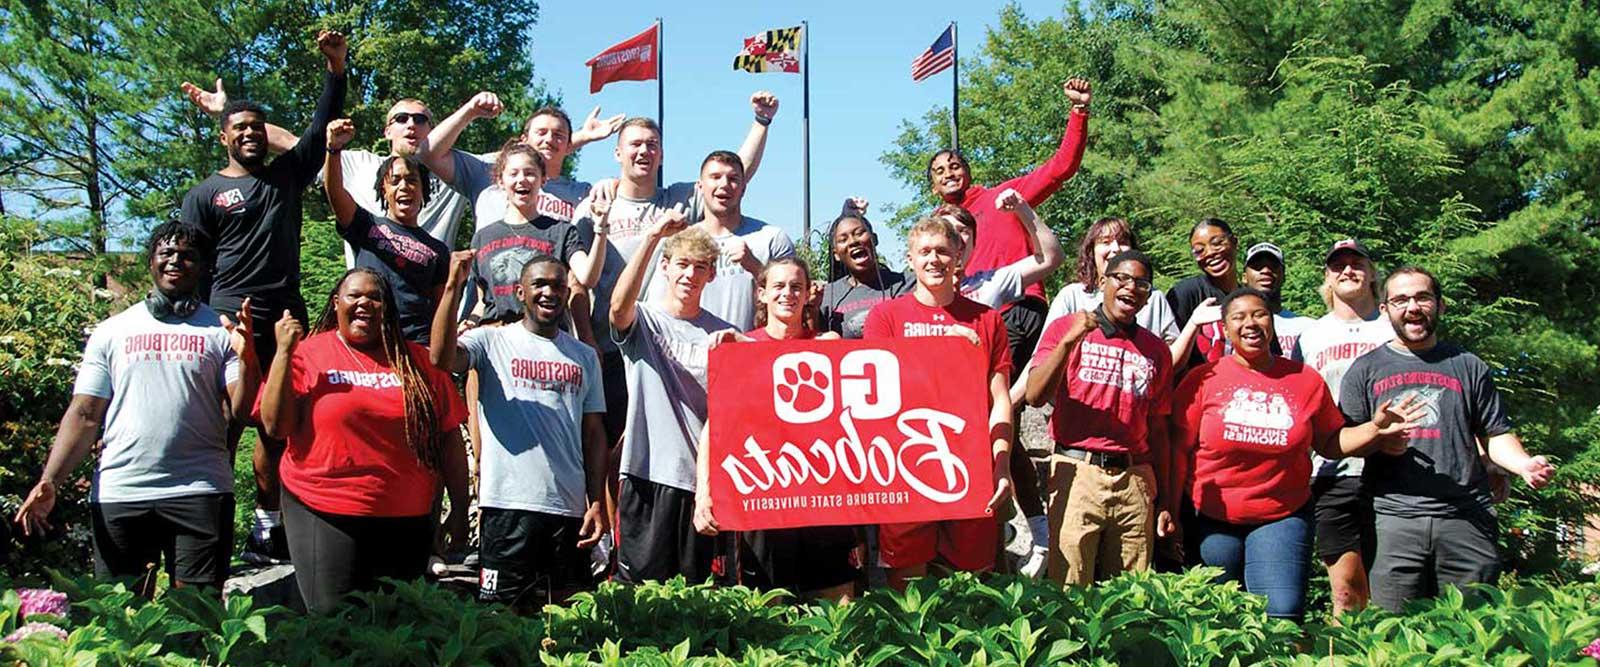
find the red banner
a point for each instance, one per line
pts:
(631, 60)
(812, 433)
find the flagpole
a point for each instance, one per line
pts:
(661, 105)
(805, 132)
(955, 89)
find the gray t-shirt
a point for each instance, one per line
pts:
(994, 287)
(440, 217)
(666, 369)
(165, 433)
(1156, 315)
(533, 394)
(845, 302)
(1441, 473)
(732, 294)
(474, 176)
(630, 218)
(1329, 345)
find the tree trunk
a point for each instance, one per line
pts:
(97, 202)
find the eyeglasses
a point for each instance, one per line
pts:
(1217, 244)
(416, 118)
(1141, 285)
(1424, 299)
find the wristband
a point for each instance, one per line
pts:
(475, 319)
(602, 229)
(763, 121)
(333, 150)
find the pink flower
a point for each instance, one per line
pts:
(36, 628)
(1592, 650)
(41, 601)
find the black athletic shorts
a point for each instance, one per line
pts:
(799, 560)
(614, 375)
(656, 539)
(524, 554)
(1024, 322)
(194, 534)
(1344, 518)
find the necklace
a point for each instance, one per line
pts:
(353, 356)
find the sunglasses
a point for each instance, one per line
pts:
(416, 118)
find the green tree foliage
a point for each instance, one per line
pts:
(1460, 136)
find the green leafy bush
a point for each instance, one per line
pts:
(1136, 619)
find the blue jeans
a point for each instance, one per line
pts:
(1271, 558)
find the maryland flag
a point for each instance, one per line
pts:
(771, 51)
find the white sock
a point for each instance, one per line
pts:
(266, 520)
(1039, 526)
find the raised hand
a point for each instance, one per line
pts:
(1537, 472)
(854, 206)
(333, 46)
(600, 204)
(764, 104)
(1207, 312)
(208, 101)
(288, 332)
(340, 132)
(485, 105)
(1010, 200)
(1077, 92)
(596, 128)
(460, 269)
(241, 332)
(671, 221)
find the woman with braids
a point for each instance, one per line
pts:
(815, 562)
(394, 245)
(371, 428)
(858, 280)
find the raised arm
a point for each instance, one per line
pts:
(1037, 185)
(279, 409)
(765, 106)
(625, 297)
(1044, 249)
(1206, 313)
(435, 151)
(594, 129)
(307, 154)
(340, 132)
(79, 429)
(443, 350)
(241, 337)
(587, 265)
(211, 103)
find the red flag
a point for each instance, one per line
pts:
(630, 60)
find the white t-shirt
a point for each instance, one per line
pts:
(1156, 315)
(440, 217)
(1288, 326)
(1329, 346)
(994, 287)
(731, 296)
(629, 220)
(534, 392)
(165, 435)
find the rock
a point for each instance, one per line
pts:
(266, 585)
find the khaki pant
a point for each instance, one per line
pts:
(1102, 520)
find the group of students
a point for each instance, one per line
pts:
(1208, 422)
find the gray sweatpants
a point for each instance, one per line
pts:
(1415, 556)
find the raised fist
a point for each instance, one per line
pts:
(333, 46)
(485, 105)
(340, 132)
(764, 104)
(1077, 92)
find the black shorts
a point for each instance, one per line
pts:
(1024, 322)
(1344, 518)
(614, 375)
(656, 539)
(799, 560)
(194, 534)
(524, 554)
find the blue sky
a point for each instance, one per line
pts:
(861, 89)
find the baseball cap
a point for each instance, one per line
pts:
(1351, 245)
(1264, 249)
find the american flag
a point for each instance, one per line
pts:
(937, 58)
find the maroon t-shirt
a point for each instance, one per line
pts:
(1111, 388)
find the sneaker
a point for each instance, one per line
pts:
(1033, 567)
(269, 547)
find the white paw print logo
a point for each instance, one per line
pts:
(802, 387)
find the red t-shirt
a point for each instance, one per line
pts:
(1001, 240)
(759, 334)
(349, 454)
(905, 317)
(1111, 388)
(1251, 434)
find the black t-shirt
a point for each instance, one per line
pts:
(1441, 473)
(845, 302)
(255, 219)
(414, 263)
(502, 249)
(1209, 342)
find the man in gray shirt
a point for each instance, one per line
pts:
(157, 385)
(665, 345)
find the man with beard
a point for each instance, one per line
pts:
(1111, 381)
(252, 210)
(1353, 327)
(1264, 270)
(160, 380)
(1435, 524)
(543, 459)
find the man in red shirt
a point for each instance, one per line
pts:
(936, 308)
(1110, 381)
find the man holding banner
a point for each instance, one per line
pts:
(935, 307)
